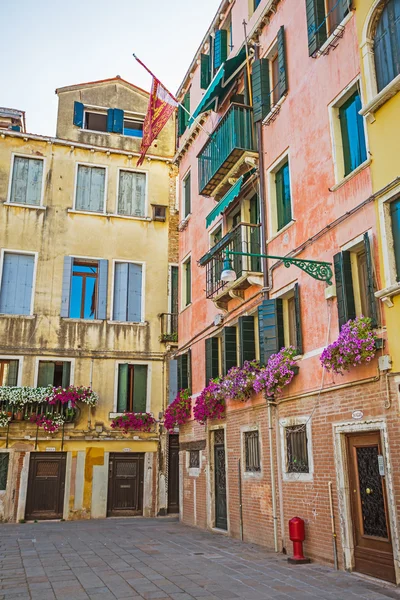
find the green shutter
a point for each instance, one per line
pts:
(344, 287)
(187, 192)
(205, 73)
(188, 281)
(247, 344)
(270, 323)
(139, 388)
(184, 372)
(189, 370)
(283, 79)
(66, 374)
(220, 47)
(229, 356)
(260, 89)
(78, 114)
(45, 374)
(12, 373)
(183, 117)
(299, 335)
(395, 216)
(122, 401)
(370, 282)
(212, 358)
(4, 458)
(316, 29)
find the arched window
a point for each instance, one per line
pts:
(387, 44)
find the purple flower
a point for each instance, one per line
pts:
(354, 346)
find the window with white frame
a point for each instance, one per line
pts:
(56, 373)
(297, 461)
(281, 195)
(90, 189)
(17, 283)
(127, 300)
(9, 370)
(132, 194)
(95, 120)
(26, 181)
(132, 388)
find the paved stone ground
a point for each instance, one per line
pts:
(160, 559)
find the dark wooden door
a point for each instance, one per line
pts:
(46, 483)
(125, 485)
(373, 550)
(220, 480)
(173, 474)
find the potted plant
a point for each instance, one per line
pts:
(354, 346)
(179, 411)
(134, 421)
(278, 372)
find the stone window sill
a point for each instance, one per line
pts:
(86, 321)
(334, 36)
(17, 316)
(386, 294)
(16, 204)
(136, 323)
(380, 99)
(278, 233)
(343, 181)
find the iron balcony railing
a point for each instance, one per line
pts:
(26, 412)
(169, 327)
(232, 137)
(245, 237)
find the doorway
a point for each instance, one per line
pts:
(46, 484)
(173, 474)
(221, 520)
(125, 485)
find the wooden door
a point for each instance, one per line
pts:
(46, 482)
(373, 550)
(221, 520)
(173, 474)
(125, 485)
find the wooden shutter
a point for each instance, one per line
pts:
(229, 356)
(370, 282)
(90, 188)
(139, 388)
(174, 289)
(120, 302)
(17, 284)
(270, 323)
(283, 79)
(78, 114)
(299, 335)
(45, 373)
(188, 281)
(184, 379)
(118, 120)
(123, 372)
(344, 287)
(189, 369)
(395, 216)
(110, 119)
(66, 374)
(220, 47)
(316, 29)
(134, 292)
(247, 344)
(187, 194)
(261, 89)
(179, 371)
(4, 459)
(183, 117)
(12, 373)
(66, 286)
(205, 73)
(212, 358)
(102, 289)
(172, 380)
(387, 45)
(27, 176)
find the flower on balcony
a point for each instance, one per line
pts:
(134, 421)
(354, 346)
(71, 395)
(179, 411)
(238, 382)
(50, 422)
(277, 373)
(19, 396)
(210, 404)
(5, 418)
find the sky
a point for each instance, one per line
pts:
(47, 44)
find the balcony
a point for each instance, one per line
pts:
(231, 141)
(25, 413)
(169, 328)
(245, 237)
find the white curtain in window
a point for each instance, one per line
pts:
(26, 187)
(131, 195)
(90, 188)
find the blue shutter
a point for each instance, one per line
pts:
(134, 292)
(66, 286)
(270, 324)
(110, 119)
(220, 47)
(395, 214)
(173, 380)
(102, 290)
(118, 121)
(17, 284)
(120, 307)
(78, 114)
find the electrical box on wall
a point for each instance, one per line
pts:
(385, 362)
(330, 292)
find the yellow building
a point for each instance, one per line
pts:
(378, 24)
(86, 276)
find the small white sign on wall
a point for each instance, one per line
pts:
(357, 414)
(127, 450)
(50, 449)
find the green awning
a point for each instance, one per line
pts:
(225, 201)
(217, 88)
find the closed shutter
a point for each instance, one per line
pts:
(189, 370)
(220, 47)
(17, 284)
(102, 289)
(90, 189)
(187, 194)
(173, 380)
(247, 344)
(183, 117)
(134, 293)
(344, 287)
(118, 120)
(316, 28)
(283, 79)
(27, 176)
(45, 374)
(270, 323)
(299, 335)
(66, 286)
(395, 215)
(205, 72)
(123, 372)
(66, 374)
(184, 384)
(370, 282)
(229, 352)
(4, 459)
(139, 388)
(179, 371)
(212, 358)
(110, 119)
(188, 282)
(12, 373)
(131, 194)
(78, 114)
(120, 302)
(387, 44)
(174, 292)
(260, 89)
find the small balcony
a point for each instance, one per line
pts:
(231, 141)
(169, 328)
(245, 237)
(70, 415)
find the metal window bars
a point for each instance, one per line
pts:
(252, 451)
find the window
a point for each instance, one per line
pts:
(183, 116)
(283, 196)
(90, 189)
(27, 180)
(212, 358)
(127, 305)
(132, 194)
(55, 373)
(132, 388)
(17, 284)
(247, 342)
(4, 460)
(296, 449)
(9, 372)
(353, 136)
(194, 459)
(229, 349)
(83, 300)
(395, 220)
(133, 127)
(187, 282)
(252, 451)
(95, 121)
(184, 370)
(186, 196)
(323, 17)
(255, 4)
(387, 44)
(159, 213)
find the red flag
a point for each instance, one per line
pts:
(161, 106)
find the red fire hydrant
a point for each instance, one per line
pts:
(297, 535)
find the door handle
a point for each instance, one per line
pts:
(368, 491)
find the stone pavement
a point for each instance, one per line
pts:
(160, 559)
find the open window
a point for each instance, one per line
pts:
(132, 388)
(56, 373)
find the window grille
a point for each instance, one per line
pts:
(296, 449)
(194, 459)
(252, 451)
